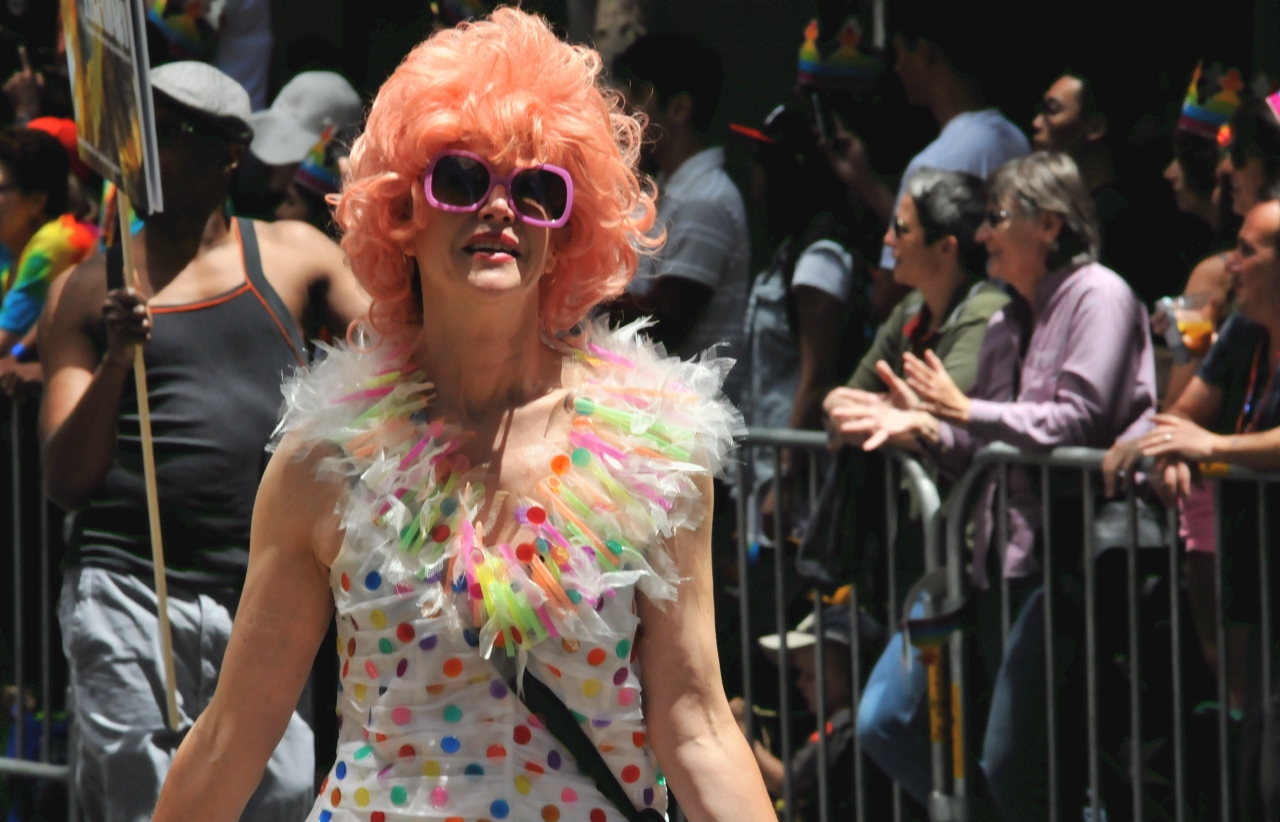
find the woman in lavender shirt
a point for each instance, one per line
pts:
(1068, 362)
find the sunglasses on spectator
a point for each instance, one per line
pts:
(181, 128)
(996, 216)
(900, 227)
(460, 181)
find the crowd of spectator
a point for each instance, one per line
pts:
(999, 306)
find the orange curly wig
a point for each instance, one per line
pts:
(509, 89)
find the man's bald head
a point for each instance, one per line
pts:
(1255, 264)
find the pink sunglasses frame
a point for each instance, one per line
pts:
(505, 181)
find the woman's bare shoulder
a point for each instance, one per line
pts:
(299, 499)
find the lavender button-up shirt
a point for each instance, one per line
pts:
(1087, 379)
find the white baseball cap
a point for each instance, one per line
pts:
(204, 89)
(836, 629)
(304, 108)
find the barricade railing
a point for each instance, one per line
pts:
(26, 488)
(944, 545)
(992, 464)
(925, 498)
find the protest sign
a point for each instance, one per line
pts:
(111, 92)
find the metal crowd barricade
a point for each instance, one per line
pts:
(20, 424)
(1088, 462)
(925, 496)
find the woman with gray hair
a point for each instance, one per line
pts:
(1068, 362)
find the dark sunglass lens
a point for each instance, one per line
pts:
(540, 194)
(459, 181)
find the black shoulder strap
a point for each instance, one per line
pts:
(115, 267)
(258, 280)
(563, 726)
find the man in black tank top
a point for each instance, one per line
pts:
(218, 309)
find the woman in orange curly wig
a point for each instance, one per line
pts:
(505, 503)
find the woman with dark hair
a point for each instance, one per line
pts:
(1200, 190)
(492, 492)
(1255, 152)
(319, 176)
(40, 240)
(806, 311)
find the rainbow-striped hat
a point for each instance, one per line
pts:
(1211, 99)
(316, 172)
(844, 67)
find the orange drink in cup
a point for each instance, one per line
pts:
(1194, 315)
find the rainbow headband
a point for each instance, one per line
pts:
(315, 172)
(843, 68)
(1206, 114)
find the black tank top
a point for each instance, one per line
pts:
(214, 370)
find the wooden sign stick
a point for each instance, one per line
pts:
(149, 475)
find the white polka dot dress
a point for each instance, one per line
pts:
(429, 727)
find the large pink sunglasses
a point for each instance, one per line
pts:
(460, 181)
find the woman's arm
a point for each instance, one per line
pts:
(820, 316)
(283, 615)
(1106, 347)
(1210, 276)
(707, 761)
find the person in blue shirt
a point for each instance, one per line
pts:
(937, 71)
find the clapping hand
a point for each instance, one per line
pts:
(874, 425)
(937, 392)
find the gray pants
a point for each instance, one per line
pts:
(111, 639)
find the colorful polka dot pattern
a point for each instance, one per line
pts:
(420, 702)
(427, 727)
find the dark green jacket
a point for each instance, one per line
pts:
(956, 342)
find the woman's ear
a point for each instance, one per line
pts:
(1050, 225)
(948, 246)
(36, 202)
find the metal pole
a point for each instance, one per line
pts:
(891, 568)
(1220, 637)
(891, 539)
(955, 548)
(73, 755)
(46, 699)
(780, 619)
(1264, 576)
(855, 672)
(1091, 649)
(744, 604)
(1051, 724)
(820, 663)
(1175, 647)
(1264, 607)
(1135, 666)
(811, 457)
(1002, 540)
(820, 671)
(15, 446)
